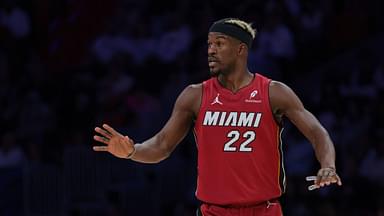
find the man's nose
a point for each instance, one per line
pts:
(211, 50)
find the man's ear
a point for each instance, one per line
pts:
(242, 49)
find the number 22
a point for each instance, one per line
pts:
(235, 135)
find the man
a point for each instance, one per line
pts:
(237, 120)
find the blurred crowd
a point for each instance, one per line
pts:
(67, 66)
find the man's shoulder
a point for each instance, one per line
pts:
(193, 89)
(195, 86)
(278, 86)
(190, 98)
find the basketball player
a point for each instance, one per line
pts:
(237, 118)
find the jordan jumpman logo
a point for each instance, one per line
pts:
(216, 100)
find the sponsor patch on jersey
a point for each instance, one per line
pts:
(252, 97)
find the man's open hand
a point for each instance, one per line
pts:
(116, 144)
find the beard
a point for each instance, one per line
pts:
(215, 72)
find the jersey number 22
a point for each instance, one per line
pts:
(235, 135)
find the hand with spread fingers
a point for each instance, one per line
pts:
(115, 143)
(325, 177)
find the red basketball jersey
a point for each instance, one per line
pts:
(239, 145)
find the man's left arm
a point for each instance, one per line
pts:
(285, 102)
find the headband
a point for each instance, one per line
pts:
(232, 30)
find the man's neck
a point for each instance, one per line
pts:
(236, 80)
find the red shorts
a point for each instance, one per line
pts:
(272, 208)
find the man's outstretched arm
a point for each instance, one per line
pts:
(286, 103)
(164, 142)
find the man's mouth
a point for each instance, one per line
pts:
(212, 61)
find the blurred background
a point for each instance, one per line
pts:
(67, 66)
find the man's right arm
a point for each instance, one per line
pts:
(160, 146)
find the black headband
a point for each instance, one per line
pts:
(232, 30)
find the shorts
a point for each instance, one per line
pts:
(269, 208)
